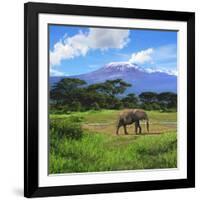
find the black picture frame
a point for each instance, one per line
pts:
(31, 12)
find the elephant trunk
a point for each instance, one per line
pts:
(147, 123)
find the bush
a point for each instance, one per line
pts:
(118, 105)
(151, 106)
(59, 109)
(129, 105)
(76, 119)
(95, 106)
(65, 129)
(155, 106)
(75, 106)
(146, 106)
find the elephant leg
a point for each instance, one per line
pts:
(136, 127)
(125, 131)
(140, 129)
(117, 131)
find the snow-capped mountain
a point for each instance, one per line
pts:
(142, 79)
(125, 66)
(121, 66)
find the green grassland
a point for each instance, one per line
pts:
(97, 148)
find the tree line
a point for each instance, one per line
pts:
(72, 94)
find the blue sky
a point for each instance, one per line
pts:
(77, 50)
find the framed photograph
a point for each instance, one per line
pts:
(109, 99)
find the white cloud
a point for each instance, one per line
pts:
(81, 43)
(60, 52)
(54, 72)
(162, 70)
(164, 56)
(104, 39)
(142, 57)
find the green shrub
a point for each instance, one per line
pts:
(59, 109)
(75, 106)
(95, 106)
(146, 106)
(151, 106)
(129, 105)
(118, 105)
(76, 119)
(65, 129)
(155, 106)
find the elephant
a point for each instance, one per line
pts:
(130, 116)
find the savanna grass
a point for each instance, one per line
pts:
(101, 152)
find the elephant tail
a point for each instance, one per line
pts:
(147, 124)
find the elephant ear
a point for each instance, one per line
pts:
(134, 111)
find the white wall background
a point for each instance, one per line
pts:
(11, 98)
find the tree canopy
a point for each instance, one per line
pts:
(76, 95)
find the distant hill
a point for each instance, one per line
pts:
(141, 79)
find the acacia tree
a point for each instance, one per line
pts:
(67, 90)
(115, 87)
(167, 99)
(130, 101)
(148, 97)
(74, 94)
(109, 90)
(110, 87)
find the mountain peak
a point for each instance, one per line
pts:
(142, 79)
(121, 66)
(127, 66)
